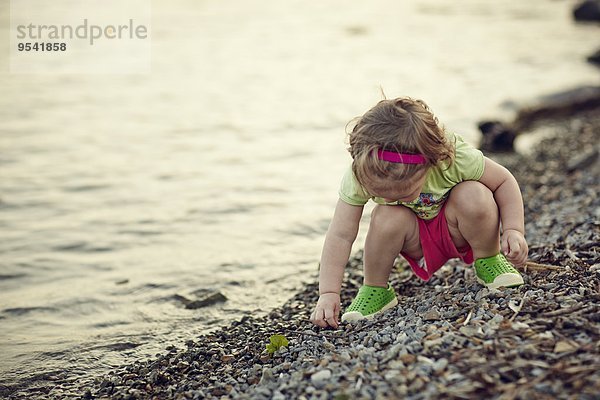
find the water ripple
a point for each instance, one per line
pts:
(18, 311)
(85, 247)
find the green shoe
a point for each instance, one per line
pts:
(370, 301)
(496, 271)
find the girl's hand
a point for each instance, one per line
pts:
(514, 246)
(327, 311)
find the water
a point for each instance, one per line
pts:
(220, 169)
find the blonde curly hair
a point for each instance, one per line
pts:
(401, 125)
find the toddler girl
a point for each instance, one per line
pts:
(437, 198)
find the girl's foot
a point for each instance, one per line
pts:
(496, 271)
(370, 301)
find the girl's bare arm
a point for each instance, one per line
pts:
(510, 205)
(336, 251)
(338, 245)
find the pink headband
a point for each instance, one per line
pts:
(400, 158)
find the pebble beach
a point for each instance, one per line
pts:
(173, 267)
(447, 338)
(141, 211)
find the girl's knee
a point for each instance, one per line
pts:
(392, 219)
(474, 198)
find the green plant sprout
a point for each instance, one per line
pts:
(277, 342)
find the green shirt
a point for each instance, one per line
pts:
(468, 165)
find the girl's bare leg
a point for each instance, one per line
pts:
(393, 229)
(473, 218)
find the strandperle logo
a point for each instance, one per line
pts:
(85, 30)
(83, 36)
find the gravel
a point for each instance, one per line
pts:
(448, 338)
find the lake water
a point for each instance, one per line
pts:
(219, 170)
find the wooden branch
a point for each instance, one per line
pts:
(537, 266)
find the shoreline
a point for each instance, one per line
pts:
(537, 340)
(448, 337)
(226, 349)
